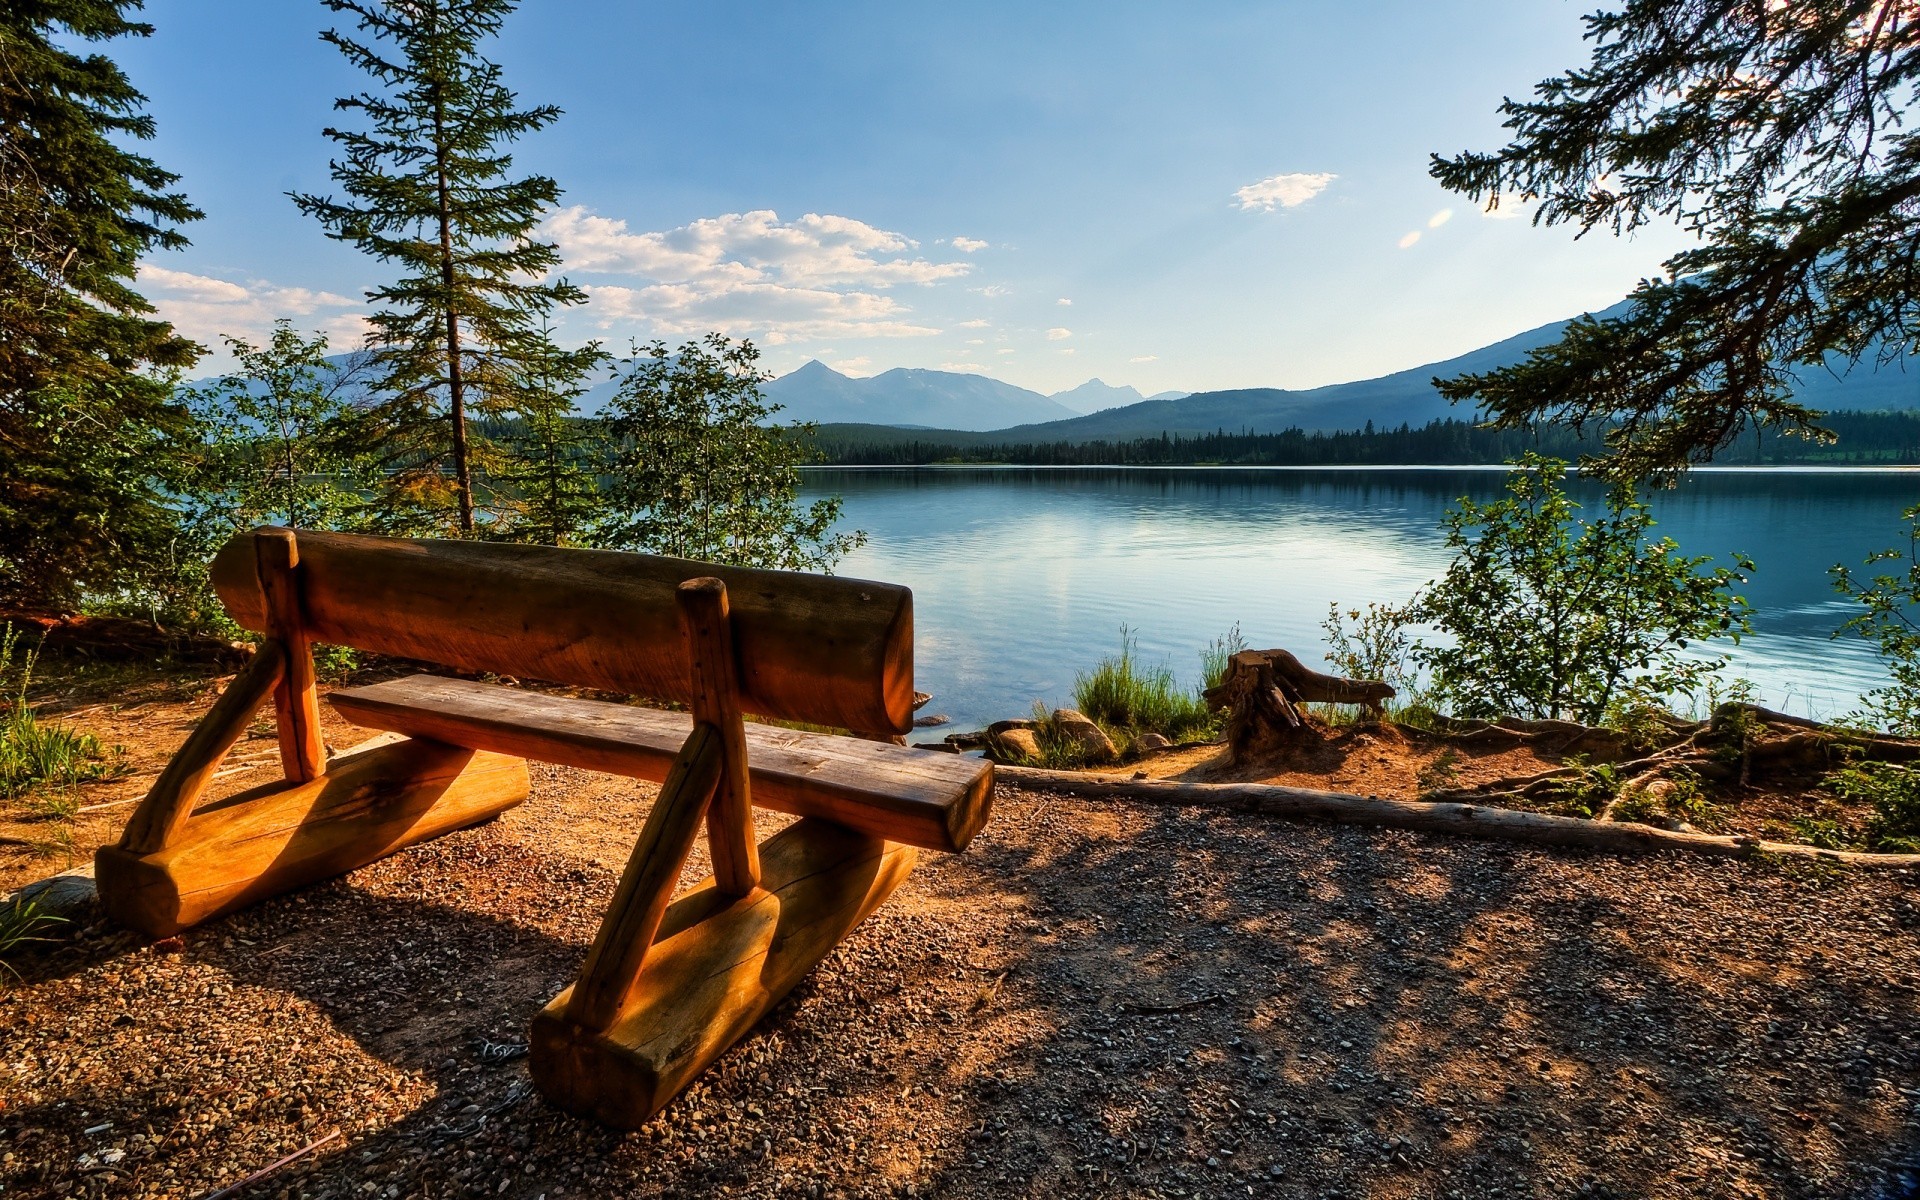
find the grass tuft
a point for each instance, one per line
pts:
(1126, 695)
(38, 760)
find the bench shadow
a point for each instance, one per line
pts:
(1086, 1003)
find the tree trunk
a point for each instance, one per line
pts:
(456, 388)
(1263, 691)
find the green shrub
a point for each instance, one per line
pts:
(1546, 614)
(1893, 792)
(33, 756)
(1124, 694)
(1218, 654)
(1376, 646)
(1892, 623)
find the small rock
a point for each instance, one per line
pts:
(930, 721)
(1147, 743)
(1014, 745)
(1079, 730)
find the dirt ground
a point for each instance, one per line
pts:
(1096, 999)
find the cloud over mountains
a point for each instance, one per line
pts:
(818, 276)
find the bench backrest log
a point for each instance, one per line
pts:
(815, 648)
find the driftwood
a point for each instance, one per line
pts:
(1471, 820)
(1263, 691)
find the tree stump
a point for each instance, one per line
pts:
(1263, 690)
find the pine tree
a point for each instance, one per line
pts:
(85, 403)
(428, 189)
(553, 457)
(1782, 136)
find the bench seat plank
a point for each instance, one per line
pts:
(922, 798)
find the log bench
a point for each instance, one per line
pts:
(668, 983)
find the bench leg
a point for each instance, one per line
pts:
(369, 802)
(717, 965)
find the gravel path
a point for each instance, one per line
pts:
(1098, 999)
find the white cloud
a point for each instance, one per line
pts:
(1063, 302)
(967, 245)
(976, 341)
(1145, 358)
(1510, 207)
(1440, 218)
(992, 290)
(207, 309)
(751, 274)
(852, 366)
(961, 367)
(976, 323)
(1006, 350)
(1059, 335)
(1067, 350)
(1410, 239)
(1283, 190)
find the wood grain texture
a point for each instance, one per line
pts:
(621, 947)
(716, 702)
(815, 648)
(371, 801)
(920, 797)
(718, 966)
(171, 799)
(296, 699)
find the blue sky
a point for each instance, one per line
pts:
(1189, 196)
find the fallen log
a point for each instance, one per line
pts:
(1468, 820)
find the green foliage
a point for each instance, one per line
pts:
(39, 761)
(1891, 599)
(273, 443)
(429, 189)
(1684, 798)
(698, 471)
(1780, 137)
(1125, 694)
(86, 409)
(22, 924)
(1377, 646)
(551, 460)
(1217, 655)
(1590, 788)
(1893, 792)
(1547, 615)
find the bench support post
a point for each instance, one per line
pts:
(179, 863)
(666, 988)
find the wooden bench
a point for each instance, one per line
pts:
(669, 983)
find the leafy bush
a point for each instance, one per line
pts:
(34, 756)
(1893, 791)
(1892, 602)
(1125, 694)
(1547, 615)
(1377, 646)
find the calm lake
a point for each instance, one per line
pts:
(1023, 576)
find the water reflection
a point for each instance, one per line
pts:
(1023, 576)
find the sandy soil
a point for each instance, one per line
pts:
(1097, 999)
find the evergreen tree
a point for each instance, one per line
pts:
(428, 188)
(554, 455)
(1781, 135)
(698, 470)
(85, 400)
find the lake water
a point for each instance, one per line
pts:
(1023, 576)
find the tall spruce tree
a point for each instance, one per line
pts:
(1782, 136)
(428, 188)
(86, 405)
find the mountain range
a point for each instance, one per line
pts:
(1387, 402)
(915, 398)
